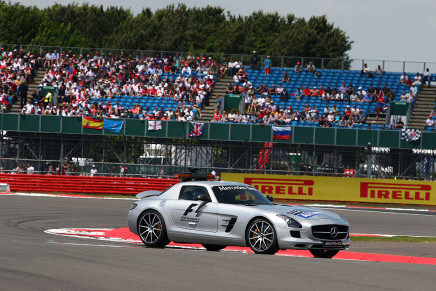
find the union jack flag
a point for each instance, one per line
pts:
(197, 130)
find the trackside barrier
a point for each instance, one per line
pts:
(83, 184)
(286, 187)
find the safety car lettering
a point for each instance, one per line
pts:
(304, 214)
(230, 188)
(190, 208)
(185, 216)
(189, 219)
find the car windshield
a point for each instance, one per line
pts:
(240, 194)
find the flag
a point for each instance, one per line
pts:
(281, 132)
(89, 122)
(154, 125)
(197, 130)
(264, 155)
(411, 134)
(112, 125)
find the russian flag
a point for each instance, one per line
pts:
(280, 132)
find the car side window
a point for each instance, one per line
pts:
(190, 192)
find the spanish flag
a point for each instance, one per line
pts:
(89, 122)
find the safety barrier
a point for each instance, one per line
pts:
(286, 187)
(83, 184)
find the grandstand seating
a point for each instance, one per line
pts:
(326, 78)
(333, 78)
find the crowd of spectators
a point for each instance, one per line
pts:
(17, 68)
(259, 106)
(84, 81)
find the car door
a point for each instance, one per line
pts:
(188, 213)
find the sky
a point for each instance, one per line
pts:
(394, 30)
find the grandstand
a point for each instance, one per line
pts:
(376, 113)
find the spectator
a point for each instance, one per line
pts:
(390, 96)
(429, 122)
(93, 171)
(254, 61)
(417, 80)
(30, 169)
(311, 68)
(379, 71)
(267, 64)
(410, 97)
(408, 82)
(297, 68)
(360, 95)
(284, 95)
(307, 92)
(285, 78)
(366, 71)
(427, 77)
(400, 124)
(403, 97)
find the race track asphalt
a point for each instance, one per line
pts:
(33, 260)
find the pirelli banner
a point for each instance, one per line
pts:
(340, 189)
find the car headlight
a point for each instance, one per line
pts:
(290, 221)
(133, 206)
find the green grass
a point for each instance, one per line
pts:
(409, 239)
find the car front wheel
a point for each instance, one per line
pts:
(152, 230)
(326, 254)
(261, 237)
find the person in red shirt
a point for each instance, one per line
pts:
(306, 91)
(314, 92)
(348, 111)
(380, 98)
(321, 91)
(217, 116)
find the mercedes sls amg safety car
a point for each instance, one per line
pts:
(217, 214)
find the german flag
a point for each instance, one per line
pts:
(89, 122)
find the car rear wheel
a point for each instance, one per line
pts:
(213, 248)
(152, 230)
(326, 254)
(261, 237)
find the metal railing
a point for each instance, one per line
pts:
(277, 61)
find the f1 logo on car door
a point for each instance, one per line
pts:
(193, 214)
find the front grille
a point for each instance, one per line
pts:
(326, 231)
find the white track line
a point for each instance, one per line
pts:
(342, 207)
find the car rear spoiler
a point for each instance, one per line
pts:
(148, 194)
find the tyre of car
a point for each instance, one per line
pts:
(261, 237)
(152, 229)
(326, 254)
(213, 248)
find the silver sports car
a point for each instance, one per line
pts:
(217, 214)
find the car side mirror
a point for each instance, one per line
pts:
(202, 197)
(270, 198)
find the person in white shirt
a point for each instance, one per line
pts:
(427, 77)
(93, 171)
(417, 79)
(403, 97)
(186, 70)
(30, 169)
(429, 122)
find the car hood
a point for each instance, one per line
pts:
(300, 212)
